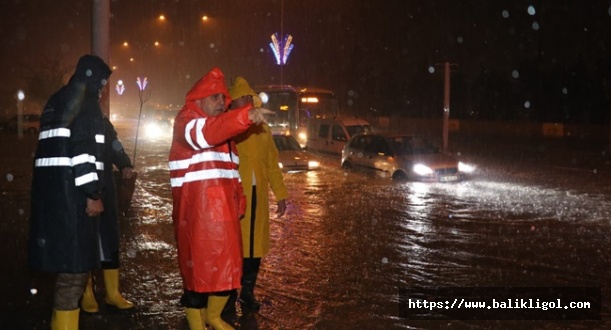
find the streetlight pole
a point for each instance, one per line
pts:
(446, 105)
(20, 97)
(143, 97)
(100, 42)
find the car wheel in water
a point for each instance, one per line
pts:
(399, 176)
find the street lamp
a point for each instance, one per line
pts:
(120, 87)
(282, 49)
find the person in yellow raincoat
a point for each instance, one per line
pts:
(259, 171)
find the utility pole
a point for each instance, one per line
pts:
(446, 104)
(100, 41)
(608, 94)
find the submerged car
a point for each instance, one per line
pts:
(291, 157)
(402, 157)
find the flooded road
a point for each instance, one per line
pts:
(350, 242)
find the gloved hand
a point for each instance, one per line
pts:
(257, 115)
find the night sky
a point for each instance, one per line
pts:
(377, 55)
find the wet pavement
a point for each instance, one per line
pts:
(537, 214)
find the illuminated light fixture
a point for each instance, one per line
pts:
(309, 100)
(142, 83)
(284, 108)
(282, 49)
(120, 87)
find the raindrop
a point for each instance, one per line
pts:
(21, 211)
(595, 171)
(9, 177)
(350, 93)
(384, 260)
(459, 40)
(350, 102)
(609, 11)
(531, 11)
(527, 104)
(565, 91)
(190, 264)
(33, 291)
(515, 74)
(131, 253)
(211, 45)
(505, 13)
(532, 228)
(535, 26)
(261, 50)
(431, 69)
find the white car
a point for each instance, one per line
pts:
(291, 157)
(402, 157)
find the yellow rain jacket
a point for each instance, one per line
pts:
(258, 156)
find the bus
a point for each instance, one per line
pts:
(295, 106)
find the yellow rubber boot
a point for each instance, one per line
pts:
(88, 302)
(214, 310)
(113, 297)
(195, 318)
(65, 320)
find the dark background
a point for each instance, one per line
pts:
(379, 56)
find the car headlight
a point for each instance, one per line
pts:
(153, 130)
(466, 168)
(313, 164)
(421, 169)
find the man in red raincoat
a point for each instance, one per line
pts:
(208, 198)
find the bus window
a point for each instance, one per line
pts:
(294, 107)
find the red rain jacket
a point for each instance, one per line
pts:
(207, 192)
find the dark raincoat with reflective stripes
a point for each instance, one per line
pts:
(67, 168)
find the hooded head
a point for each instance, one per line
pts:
(241, 88)
(210, 84)
(92, 71)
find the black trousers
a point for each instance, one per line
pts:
(192, 299)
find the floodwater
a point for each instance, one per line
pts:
(536, 216)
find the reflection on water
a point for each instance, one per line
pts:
(350, 242)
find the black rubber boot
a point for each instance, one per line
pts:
(247, 295)
(248, 300)
(230, 313)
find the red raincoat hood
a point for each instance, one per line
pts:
(211, 83)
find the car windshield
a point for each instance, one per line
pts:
(412, 145)
(355, 129)
(286, 142)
